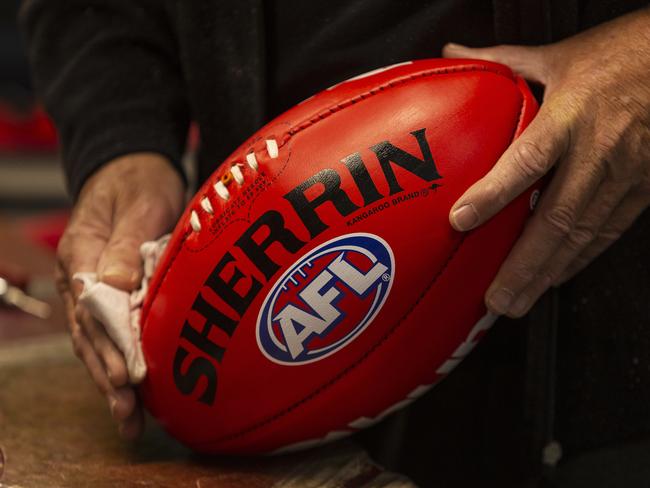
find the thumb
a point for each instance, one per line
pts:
(120, 264)
(527, 61)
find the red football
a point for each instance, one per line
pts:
(314, 283)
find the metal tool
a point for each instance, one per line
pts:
(15, 297)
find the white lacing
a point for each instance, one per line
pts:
(235, 174)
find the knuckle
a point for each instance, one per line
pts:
(71, 234)
(522, 274)
(63, 250)
(560, 220)
(595, 169)
(579, 238)
(530, 159)
(627, 113)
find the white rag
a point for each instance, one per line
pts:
(119, 311)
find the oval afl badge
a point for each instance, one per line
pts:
(325, 299)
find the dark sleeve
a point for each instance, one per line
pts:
(108, 72)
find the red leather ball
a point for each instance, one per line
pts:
(314, 283)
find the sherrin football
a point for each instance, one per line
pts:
(314, 283)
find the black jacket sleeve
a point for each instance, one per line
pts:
(108, 72)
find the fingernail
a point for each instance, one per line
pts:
(453, 45)
(119, 272)
(520, 306)
(500, 300)
(465, 217)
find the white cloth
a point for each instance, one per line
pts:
(119, 311)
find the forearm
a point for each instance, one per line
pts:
(109, 75)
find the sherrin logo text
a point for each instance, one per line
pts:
(333, 323)
(325, 299)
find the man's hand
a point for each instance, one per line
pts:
(594, 128)
(128, 201)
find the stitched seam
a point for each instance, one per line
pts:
(380, 88)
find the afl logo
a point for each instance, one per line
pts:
(325, 299)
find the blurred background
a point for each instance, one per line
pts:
(30, 179)
(33, 201)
